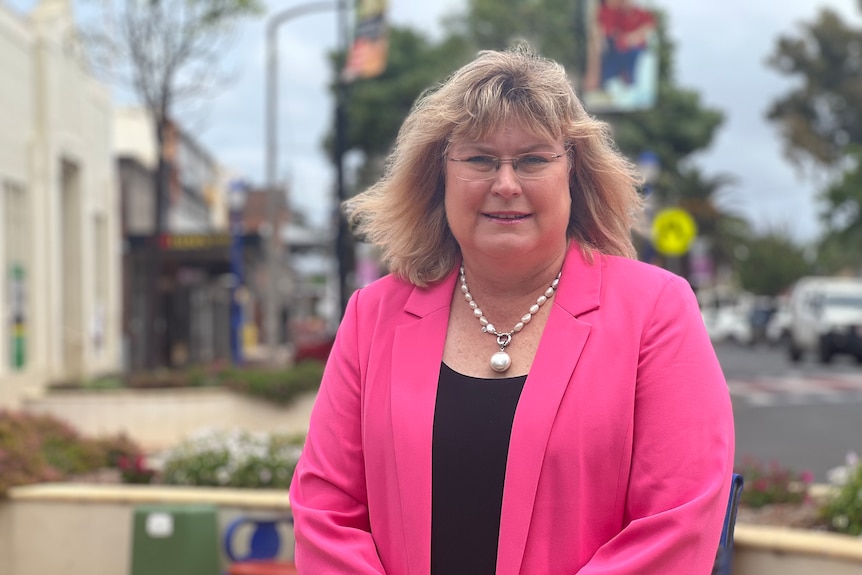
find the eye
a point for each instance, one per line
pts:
(481, 162)
(533, 160)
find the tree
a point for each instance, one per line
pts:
(821, 124)
(701, 196)
(842, 216)
(168, 52)
(773, 261)
(822, 115)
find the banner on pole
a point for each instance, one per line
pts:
(621, 73)
(369, 51)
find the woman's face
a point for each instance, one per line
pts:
(513, 215)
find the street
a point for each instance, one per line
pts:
(805, 416)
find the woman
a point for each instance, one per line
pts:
(519, 395)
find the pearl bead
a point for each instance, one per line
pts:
(500, 361)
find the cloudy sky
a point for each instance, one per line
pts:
(720, 52)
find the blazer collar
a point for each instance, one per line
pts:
(559, 351)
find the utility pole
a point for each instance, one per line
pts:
(344, 245)
(273, 250)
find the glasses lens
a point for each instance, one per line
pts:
(532, 165)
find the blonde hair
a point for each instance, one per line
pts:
(403, 213)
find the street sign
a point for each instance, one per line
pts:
(673, 231)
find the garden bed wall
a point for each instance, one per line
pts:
(765, 550)
(76, 529)
(160, 418)
(88, 530)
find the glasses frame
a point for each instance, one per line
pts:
(551, 157)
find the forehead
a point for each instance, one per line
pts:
(508, 133)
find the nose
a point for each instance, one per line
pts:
(506, 181)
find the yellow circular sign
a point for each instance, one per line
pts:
(673, 230)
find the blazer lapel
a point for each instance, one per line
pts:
(417, 352)
(562, 342)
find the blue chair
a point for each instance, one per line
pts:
(263, 547)
(724, 557)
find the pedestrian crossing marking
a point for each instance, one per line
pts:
(796, 389)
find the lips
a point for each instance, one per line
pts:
(506, 216)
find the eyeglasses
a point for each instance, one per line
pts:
(481, 167)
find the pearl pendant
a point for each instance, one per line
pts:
(500, 361)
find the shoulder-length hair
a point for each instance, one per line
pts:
(403, 213)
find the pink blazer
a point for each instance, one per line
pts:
(621, 449)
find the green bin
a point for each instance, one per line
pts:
(175, 540)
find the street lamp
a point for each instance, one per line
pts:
(649, 168)
(273, 248)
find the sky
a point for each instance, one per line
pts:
(720, 52)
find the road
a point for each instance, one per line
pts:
(805, 416)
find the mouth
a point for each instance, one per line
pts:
(506, 216)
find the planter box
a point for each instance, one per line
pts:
(73, 529)
(88, 530)
(160, 418)
(762, 550)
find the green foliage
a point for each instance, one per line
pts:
(819, 117)
(773, 263)
(770, 483)
(278, 386)
(842, 217)
(37, 448)
(555, 28)
(222, 458)
(843, 510)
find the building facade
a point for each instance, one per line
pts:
(59, 238)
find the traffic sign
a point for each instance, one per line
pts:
(673, 231)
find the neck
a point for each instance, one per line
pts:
(509, 281)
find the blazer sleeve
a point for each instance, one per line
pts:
(682, 448)
(328, 492)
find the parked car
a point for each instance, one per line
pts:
(778, 326)
(759, 316)
(825, 318)
(728, 324)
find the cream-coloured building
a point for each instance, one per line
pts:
(59, 213)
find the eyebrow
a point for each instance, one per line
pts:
(487, 149)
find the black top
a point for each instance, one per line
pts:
(472, 424)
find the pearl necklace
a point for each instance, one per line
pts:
(501, 361)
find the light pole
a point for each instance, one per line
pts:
(649, 167)
(273, 247)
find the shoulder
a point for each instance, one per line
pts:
(389, 290)
(392, 295)
(640, 279)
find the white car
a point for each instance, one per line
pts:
(826, 318)
(728, 324)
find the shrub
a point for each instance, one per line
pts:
(279, 386)
(767, 484)
(233, 458)
(38, 448)
(843, 509)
